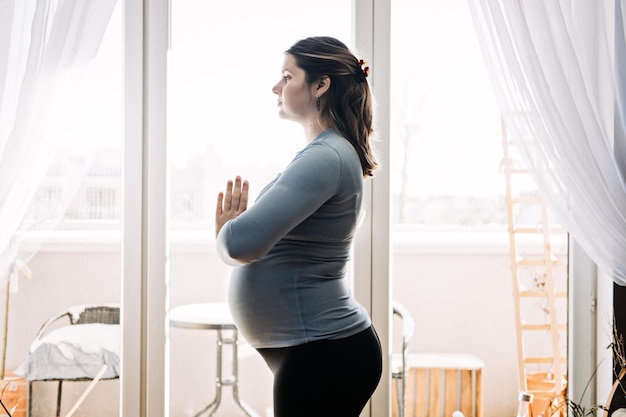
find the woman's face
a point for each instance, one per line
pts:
(295, 96)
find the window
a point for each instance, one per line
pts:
(445, 122)
(83, 185)
(222, 118)
(223, 121)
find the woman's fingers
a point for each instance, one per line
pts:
(220, 203)
(243, 198)
(236, 194)
(228, 197)
(236, 199)
(231, 202)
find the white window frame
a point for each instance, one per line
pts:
(372, 266)
(144, 244)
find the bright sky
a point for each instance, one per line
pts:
(234, 66)
(449, 108)
(222, 70)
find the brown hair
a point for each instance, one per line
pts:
(348, 104)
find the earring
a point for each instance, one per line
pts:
(317, 104)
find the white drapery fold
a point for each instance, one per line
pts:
(45, 46)
(620, 85)
(547, 61)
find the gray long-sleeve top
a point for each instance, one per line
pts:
(292, 247)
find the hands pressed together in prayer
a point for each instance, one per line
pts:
(231, 203)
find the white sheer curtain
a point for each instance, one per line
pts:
(45, 46)
(547, 60)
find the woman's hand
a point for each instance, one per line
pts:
(231, 203)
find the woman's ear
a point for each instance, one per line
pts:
(323, 84)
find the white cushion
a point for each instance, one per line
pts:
(74, 352)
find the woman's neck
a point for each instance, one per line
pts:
(313, 130)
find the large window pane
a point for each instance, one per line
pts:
(76, 268)
(225, 58)
(445, 127)
(452, 260)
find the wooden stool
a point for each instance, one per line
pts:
(440, 383)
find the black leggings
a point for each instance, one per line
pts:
(330, 378)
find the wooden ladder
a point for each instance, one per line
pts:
(539, 303)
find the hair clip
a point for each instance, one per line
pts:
(364, 71)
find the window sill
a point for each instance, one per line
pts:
(480, 240)
(412, 239)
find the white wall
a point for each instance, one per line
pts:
(460, 299)
(462, 303)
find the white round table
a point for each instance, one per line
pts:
(214, 316)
